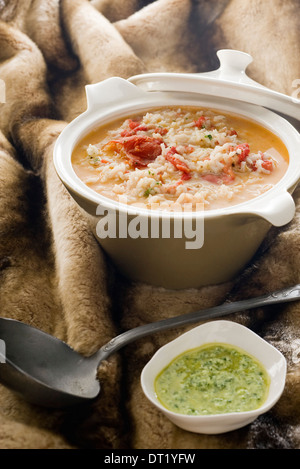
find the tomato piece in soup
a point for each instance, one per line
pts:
(139, 149)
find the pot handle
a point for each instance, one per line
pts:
(111, 91)
(233, 65)
(279, 211)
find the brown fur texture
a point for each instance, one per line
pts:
(54, 275)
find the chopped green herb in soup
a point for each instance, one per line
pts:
(212, 379)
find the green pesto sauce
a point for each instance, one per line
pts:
(212, 379)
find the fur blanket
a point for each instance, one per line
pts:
(53, 273)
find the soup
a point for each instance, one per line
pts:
(172, 157)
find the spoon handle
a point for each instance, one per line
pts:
(280, 296)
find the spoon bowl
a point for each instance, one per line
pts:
(46, 371)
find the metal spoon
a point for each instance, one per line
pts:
(46, 371)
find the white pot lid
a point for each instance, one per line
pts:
(228, 81)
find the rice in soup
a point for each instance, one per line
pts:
(170, 156)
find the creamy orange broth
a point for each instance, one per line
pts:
(181, 155)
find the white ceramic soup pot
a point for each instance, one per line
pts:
(227, 333)
(215, 245)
